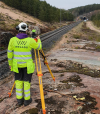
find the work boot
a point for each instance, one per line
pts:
(27, 102)
(20, 101)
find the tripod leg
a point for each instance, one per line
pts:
(11, 90)
(42, 94)
(50, 72)
(45, 60)
(39, 74)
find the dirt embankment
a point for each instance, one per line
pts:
(92, 27)
(18, 15)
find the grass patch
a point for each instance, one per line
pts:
(98, 47)
(44, 48)
(14, 25)
(94, 38)
(98, 38)
(77, 47)
(68, 41)
(91, 37)
(77, 36)
(1, 48)
(2, 22)
(54, 41)
(17, 20)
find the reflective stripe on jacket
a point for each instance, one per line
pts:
(19, 53)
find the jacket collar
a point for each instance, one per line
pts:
(21, 35)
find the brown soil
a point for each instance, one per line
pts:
(16, 14)
(92, 27)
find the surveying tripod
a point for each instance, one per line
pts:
(39, 74)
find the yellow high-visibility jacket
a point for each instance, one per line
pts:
(19, 53)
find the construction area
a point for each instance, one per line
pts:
(74, 86)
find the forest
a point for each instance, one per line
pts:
(96, 19)
(41, 10)
(84, 9)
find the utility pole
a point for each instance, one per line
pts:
(60, 16)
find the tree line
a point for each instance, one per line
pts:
(41, 10)
(84, 9)
(96, 19)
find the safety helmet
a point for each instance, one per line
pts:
(22, 27)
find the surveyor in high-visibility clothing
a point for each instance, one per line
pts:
(20, 61)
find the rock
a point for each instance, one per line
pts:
(5, 37)
(79, 108)
(61, 64)
(45, 93)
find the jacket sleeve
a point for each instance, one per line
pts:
(10, 52)
(36, 45)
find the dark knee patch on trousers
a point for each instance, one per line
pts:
(22, 75)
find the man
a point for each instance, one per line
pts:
(20, 61)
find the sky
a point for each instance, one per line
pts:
(68, 4)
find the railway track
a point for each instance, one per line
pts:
(47, 40)
(54, 32)
(3, 56)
